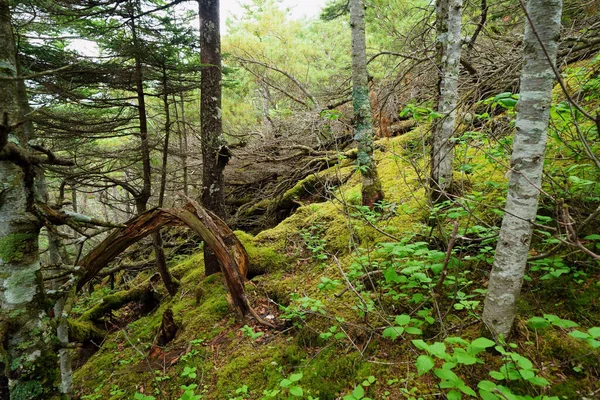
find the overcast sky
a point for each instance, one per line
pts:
(300, 8)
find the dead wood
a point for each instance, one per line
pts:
(229, 250)
(168, 328)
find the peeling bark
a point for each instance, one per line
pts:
(448, 43)
(232, 256)
(537, 80)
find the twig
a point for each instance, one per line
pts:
(444, 272)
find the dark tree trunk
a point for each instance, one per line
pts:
(211, 119)
(163, 176)
(141, 200)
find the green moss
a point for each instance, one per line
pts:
(14, 247)
(27, 390)
(263, 258)
(80, 331)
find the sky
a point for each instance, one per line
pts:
(299, 8)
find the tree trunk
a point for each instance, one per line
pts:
(537, 79)
(27, 339)
(183, 143)
(448, 43)
(142, 198)
(144, 194)
(213, 162)
(165, 158)
(363, 124)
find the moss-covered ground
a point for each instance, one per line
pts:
(335, 275)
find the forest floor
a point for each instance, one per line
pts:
(362, 308)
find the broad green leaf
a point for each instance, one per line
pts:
(523, 362)
(402, 319)
(438, 349)
(420, 344)
(358, 392)
(462, 357)
(486, 385)
(482, 343)
(296, 391)
(424, 364)
(466, 390)
(413, 331)
(595, 332)
(456, 340)
(579, 335)
(285, 383)
(393, 332)
(497, 375)
(485, 395)
(538, 380)
(537, 323)
(296, 377)
(446, 374)
(454, 395)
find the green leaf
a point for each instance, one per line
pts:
(579, 335)
(358, 392)
(420, 344)
(486, 385)
(438, 349)
(482, 343)
(537, 323)
(497, 375)
(466, 390)
(296, 391)
(508, 103)
(393, 332)
(454, 395)
(402, 319)
(595, 236)
(413, 331)
(424, 364)
(485, 395)
(456, 340)
(503, 95)
(595, 332)
(285, 383)
(446, 374)
(295, 377)
(462, 357)
(538, 380)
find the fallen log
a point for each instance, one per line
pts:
(230, 252)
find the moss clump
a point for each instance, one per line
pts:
(14, 247)
(263, 258)
(27, 390)
(84, 331)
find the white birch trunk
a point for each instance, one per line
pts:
(537, 79)
(448, 42)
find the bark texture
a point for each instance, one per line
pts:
(537, 79)
(363, 124)
(448, 42)
(27, 354)
(211, 121)
(232, 256)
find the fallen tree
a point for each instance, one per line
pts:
(230, 252)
